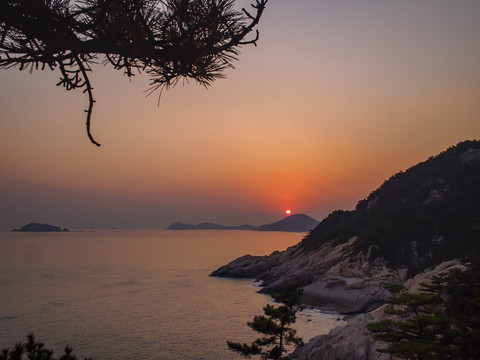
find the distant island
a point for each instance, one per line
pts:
(292, 223)
(37, 227)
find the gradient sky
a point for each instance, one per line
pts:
(338, 96)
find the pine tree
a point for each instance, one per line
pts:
(167, 39)
(411, 332)
(441, 322)
(460, 294)
(274, 326)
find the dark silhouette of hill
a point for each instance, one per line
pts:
(293, 223)
(37, 227)
(208, 226)
(418, 218)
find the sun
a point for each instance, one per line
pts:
(288, 212)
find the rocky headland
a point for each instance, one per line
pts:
(334, 282)
(331, 279)
(416, 225)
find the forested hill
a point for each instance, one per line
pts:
(419, 217)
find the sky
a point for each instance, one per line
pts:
(338, 96)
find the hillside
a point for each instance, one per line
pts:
(418, 218)
(294, 223)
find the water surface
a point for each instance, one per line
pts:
(135, 294)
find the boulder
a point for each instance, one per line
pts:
(352, 342)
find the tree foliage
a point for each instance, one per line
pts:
(442, 322)
(411, 334)
(274, 326)
(34, 350)
(460, 294)
(168, 39)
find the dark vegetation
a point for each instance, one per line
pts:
(168, 39)
(442, 322)
(419, 217)
(33, 350)
(274, 326)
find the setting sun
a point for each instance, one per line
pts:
(288, 212)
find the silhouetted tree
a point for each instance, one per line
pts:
(34, 350)
(275, 327)
(168, 39)
(460, 294)
(411, 334)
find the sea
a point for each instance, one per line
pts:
(136, 294)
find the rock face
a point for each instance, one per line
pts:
(331, 279)
(353, 341)
(37, 227)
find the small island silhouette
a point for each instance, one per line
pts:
(37, 227)
(292, 223)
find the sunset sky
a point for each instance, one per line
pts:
(338, 96)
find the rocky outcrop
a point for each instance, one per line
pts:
(331, 278)
(415, 284)
(353, 341)
(335, 280)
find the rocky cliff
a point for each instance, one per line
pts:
(332, 279)
(353, 341)
(417, 219)
(420, 219)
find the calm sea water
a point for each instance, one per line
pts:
(135, 294)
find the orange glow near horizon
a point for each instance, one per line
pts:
(288, 212)
(315, 128)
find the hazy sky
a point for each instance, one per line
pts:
(338, 96)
